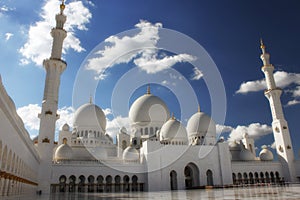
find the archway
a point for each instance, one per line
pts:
(81, 183)
(117, 183)
(108, 187)
(234, 178)
(91, 183)
(134, 183)
(191, 173)
(173, 180)
(72, 181)
(100, 183)
(126, 183)
(62, 183)
(209, 177)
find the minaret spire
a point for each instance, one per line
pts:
(54, 67)
(279, 125)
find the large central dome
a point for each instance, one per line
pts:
(149, 108)
(89, 115)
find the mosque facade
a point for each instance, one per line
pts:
(157, 153)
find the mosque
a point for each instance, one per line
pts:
(157, 153)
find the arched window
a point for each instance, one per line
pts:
(81, 183)
(126, 184)
(134, 183)
(108, 187)
(91, 183)
(62, 183)
(151, 131)
(234, 178)
(173, 180)
(117, 183)
(267, 177)
(209, 177)
(245, 178)
(64, 141)
(272, 177)
(251, 178)
(146, 131)
(262, 177)
(240, 178)
(191, 173)
(100, 183)
(72, 181)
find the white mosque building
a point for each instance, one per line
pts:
(158, 153)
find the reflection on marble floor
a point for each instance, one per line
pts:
(265, 193)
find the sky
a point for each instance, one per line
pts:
(195, 52)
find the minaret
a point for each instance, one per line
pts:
(280, 127)
(54, 67)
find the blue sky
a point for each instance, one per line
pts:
(229, 31)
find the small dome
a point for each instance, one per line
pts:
(265, 154)
(63, 152)
(200, 124)
(131, 154)
(66, 127)
(89, 115)
(148, 108)
(246, 155)
(173, 130)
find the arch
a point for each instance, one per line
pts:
(191, 173)
(81, 183)
(272, 177)
(256, 177)
(91, 180)
(117, 183)
(126, 183)
(151, 131)
(62, 183)
(64, 140)
(209, 178)
(146, 131)
(72, 181)
(234, 178)
(173, 180)
(9, 160)
(251, 178)
(134, 183)
(100, 183)
(108, 185)
(262, 177)
(245, 176)
(267, 177)
(240, 178)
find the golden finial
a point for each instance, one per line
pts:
(148, 89)
(173, 117)
(62, 6)
(262, 46)
(198, 107)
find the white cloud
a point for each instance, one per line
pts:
(254, 130)
(113, 126)
(282, 79)
(8, 36)
(223, 129)
(140, 48)
(151, 64)
(292, 102)
(29, 115)
(197, 74)
(39, 42)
